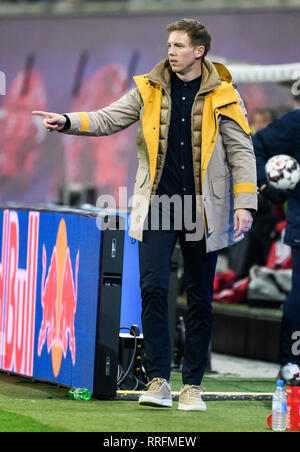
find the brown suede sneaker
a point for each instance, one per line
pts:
(190, 398)
(158, 394)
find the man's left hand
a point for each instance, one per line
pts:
(242, 221)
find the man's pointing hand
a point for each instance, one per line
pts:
(52, 121)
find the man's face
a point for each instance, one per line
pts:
(260, 121)
(183, 56)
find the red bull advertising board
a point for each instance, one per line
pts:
(49, 282)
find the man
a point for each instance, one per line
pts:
(283, 137)
(194, 143)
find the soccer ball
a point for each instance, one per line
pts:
(283, 172)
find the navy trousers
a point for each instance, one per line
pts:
(289, 351)
(199, 267)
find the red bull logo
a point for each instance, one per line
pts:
(18, 295)
(59, 289)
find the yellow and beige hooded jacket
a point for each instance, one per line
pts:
(223, 157)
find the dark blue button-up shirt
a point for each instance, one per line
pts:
(178, 176)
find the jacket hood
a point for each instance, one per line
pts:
(223, 72)
(212, 74)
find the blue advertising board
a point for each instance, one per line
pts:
(49, 282)
(131, 302)
(50, 286)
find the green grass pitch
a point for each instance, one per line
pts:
(33, 406)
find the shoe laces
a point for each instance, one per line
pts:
(194, 390)
(155, 384)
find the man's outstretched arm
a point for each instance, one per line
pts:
(115, 117)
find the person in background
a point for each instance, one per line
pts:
(194, 145)
(262, 117)
(283, 137)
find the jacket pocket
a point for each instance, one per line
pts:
(222, 186)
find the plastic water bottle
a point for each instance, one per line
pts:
(80, 394)
(279, 408)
